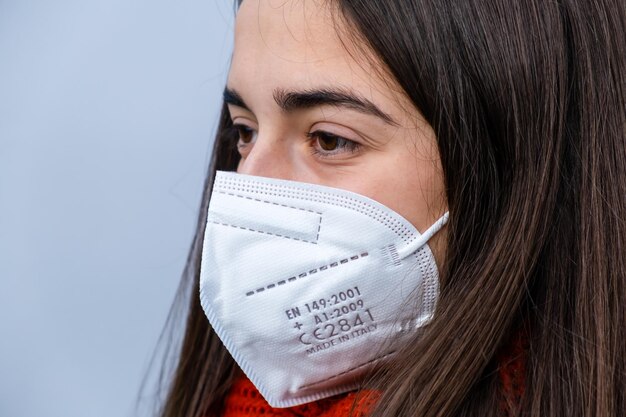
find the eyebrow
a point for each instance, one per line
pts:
(232, 97)
(290, 101)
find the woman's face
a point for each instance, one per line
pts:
(311, 106)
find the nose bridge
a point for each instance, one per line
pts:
(269, 157)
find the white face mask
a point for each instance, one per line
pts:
(309, 287)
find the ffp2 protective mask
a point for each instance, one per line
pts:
(307, 285)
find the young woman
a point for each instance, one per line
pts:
(478, 145)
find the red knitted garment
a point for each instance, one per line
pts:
(244, 400)
(512, 369)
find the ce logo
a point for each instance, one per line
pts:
(303, 341)
(317, 334)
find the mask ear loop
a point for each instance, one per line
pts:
(423, 238)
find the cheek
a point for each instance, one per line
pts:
(411, 184)
(413, 188)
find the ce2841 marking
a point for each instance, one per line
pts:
(336, 328)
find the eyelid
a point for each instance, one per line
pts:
(337, 130)
(239, 121)
(237, 112)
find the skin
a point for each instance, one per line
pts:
(295, 46)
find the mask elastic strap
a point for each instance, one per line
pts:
(425, 237)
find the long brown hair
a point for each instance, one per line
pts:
(528, 102)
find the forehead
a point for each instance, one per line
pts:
(302, 44)
(297, 30)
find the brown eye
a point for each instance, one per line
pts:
(246, 134)
(328, 142)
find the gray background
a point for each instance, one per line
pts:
(107, 111)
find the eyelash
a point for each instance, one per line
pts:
(342, 144)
